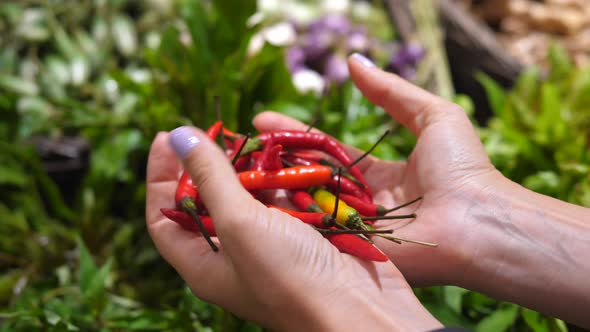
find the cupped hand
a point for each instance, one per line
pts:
(271, 268)
(448, 167)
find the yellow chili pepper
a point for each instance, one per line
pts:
(346, 215)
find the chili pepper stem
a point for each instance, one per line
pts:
(403, 216)
(335, 212)
(353, 231)
(188, 205)
(402, 206)
(239, 152)
(218, 112)
(387, 132)
(399, 240)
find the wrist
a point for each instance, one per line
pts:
(527, 248)
(361, 309)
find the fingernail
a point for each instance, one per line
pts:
(363, 60)
(183, 140)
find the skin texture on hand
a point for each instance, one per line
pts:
(494, 236)
(271, 268)
(448, 166)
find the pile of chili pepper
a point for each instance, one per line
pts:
(322, 181)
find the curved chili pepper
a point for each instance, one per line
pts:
(317, 219)
(187, 222)
(273, 160)
(346, 185)
(186, 195)
(304, 202)
(355, 246)
(185, 188)
(242, 163)
(214, 130)
(349, 187)
(364, 208)
(296, 161)
(293, 139)
(297, 177)
(345, 215)
(269, 160)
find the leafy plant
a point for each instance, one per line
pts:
(539, 135)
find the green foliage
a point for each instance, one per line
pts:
(117, 72)
(539, 135)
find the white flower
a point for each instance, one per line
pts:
(335, 6)
(280, 34)
(256, 44)
(307, 80)
(269, 6)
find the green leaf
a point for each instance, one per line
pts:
(500, 320)
(111, 158)
(124, 35)
(494, 92)
(536, 321)
(545, 182)
(446, 315)
(96, 288)
(87, 267)
(18, 85)
(550, 126)
(12, 175)
(454, 297)
(559, 61)
(527, 84)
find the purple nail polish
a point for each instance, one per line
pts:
(363, 60)
(183, 140)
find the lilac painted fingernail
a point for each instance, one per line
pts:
(363, 60)
(183, 140)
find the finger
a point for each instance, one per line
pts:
(269, 121)
(229, 204)
(185, 251)
(412, 106)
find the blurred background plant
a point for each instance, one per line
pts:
(85, 86)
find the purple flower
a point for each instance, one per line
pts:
(412, 53)
(338, 24)
(295, 58)
(336, 69)
(316, 44)
(358, 41)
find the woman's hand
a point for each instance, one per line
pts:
(271, 268)
(448, 167)
(494, 236)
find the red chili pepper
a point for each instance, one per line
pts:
(269, 159)
(364, 208)
(187, 194)
(242, 163)
(187, 222)
(214, 130)
(272, 161)
(349, 187)
(292, 139)
(303, 201)
(295, 160)
(309, 156)
(297, 177)
(355, 246)
(229, 133)
(317, 219)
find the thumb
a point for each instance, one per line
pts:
(412, 106)
(228, 203)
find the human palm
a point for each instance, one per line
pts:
(447, 167)
(269, 262)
